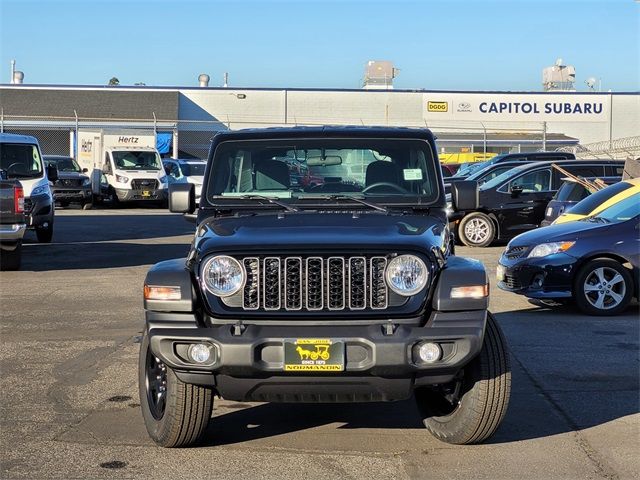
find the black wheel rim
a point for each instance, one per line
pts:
(156, 385)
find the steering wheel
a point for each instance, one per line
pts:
(397, 188)
(21, 167)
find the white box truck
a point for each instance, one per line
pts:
(128, 160)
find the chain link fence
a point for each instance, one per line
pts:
(192, 138)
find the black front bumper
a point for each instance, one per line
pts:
(544, 277)
(38, 210)
(66, 194)
(125, 195)
(379, 364)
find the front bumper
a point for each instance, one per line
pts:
(66, 194)
(544, 277)
(127, 195)
(248, 365)
(38, 210)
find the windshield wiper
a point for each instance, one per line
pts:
(358, 200)
(288, 208)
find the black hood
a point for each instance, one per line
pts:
(314, 232)
(71, 176)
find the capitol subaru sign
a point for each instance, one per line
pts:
(524, 107)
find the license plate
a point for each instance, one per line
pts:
(500, 273)
(146, 193)
(313, 355)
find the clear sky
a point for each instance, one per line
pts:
(455, 45)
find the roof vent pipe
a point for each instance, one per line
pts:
(18, 77)
(203, 78)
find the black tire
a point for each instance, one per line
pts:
(476, 230)
(186, 411)
(11, 259)
(603, 287)
(45, 234)
(482, 395)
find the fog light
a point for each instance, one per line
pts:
(429, 352)
(199, 352)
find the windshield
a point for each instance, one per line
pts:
(486, 174)
(20, 160)
(571, 192)
(195, 169)
(64, 164)
(129, 160)
(623, 210)
(303, 168)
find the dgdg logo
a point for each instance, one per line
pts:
(437, 106)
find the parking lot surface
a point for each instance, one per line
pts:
(71, 321)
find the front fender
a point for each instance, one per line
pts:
(459, 272)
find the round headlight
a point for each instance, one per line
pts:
(223, 276)
(406, 275)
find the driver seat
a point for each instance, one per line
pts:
(382, 171)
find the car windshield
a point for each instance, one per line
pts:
(64, 164)
(571, 192)
(310, 168)
(145, 160)
(193, 169)
(19, 160)
(622, 211)
(488, 173)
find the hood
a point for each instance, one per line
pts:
(155, 174)
(313, 232)
(560, 232)
(195, 179)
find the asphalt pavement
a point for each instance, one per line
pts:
(71, 321)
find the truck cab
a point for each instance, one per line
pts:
(128, 160)
(135, 174)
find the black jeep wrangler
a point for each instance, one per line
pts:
(340, 289)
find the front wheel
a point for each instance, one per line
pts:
(176, 414)
(470, 409)
(603, 287)
(476, 230)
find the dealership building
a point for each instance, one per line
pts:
(186, 118)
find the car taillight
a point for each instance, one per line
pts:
(18, 199)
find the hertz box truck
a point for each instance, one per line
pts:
(128, 160)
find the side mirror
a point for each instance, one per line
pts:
(516, 191)
(182, 198)
(52, 172)
(85, 170)
(106, 169)
(465, 195)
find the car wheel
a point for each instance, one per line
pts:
(10, 259)
(603, 287)
(176, 414)
(87, 206)
(45, 234)
(476, 230)
(470, 409)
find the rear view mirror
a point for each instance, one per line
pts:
(324, 161)
(52, 172)
(182, 198)
(465, 195)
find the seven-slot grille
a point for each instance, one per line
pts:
(314, 283)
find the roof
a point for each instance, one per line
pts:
(13, 138)
(341, 131)
(103, 104)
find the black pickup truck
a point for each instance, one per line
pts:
(346, 290)
(12, 223)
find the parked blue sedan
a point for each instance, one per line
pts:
(594, 261)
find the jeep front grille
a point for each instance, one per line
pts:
(314, 283)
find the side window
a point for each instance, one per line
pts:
(106, 168)
(174, 170)
(585, 170)
(535, 181)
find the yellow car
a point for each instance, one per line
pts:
(595, 203)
